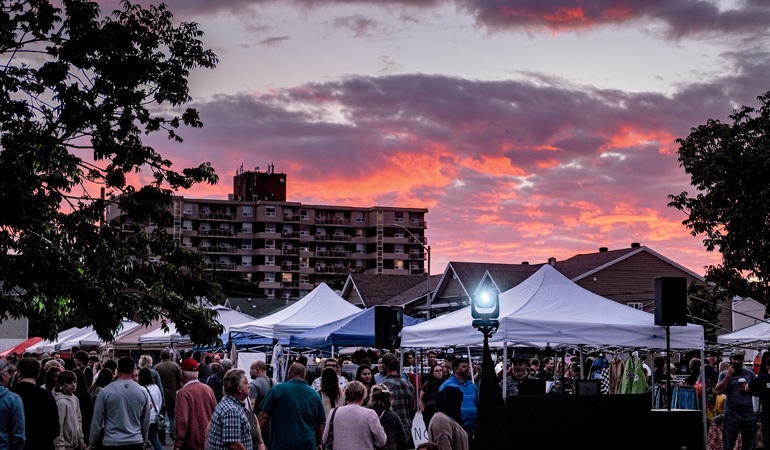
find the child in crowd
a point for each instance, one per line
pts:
(70, 421)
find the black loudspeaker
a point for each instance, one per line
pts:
(671, 301)
(388, 321)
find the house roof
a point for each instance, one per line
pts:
(414, 293)
(507, 276)
(379, 289)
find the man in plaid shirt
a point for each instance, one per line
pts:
(229, 428)
(403, 404)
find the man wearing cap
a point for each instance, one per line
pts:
(519, 371)
(195, 404)
(11, 413)
(121, 412)
(739, 409)
(710, 369)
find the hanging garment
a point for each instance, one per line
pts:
(634, 379)
(604, 385)
(616, 375)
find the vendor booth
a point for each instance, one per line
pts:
(550, 309)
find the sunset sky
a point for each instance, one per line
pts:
(529, 128)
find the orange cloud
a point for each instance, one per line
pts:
(628, 136)
(491, 165)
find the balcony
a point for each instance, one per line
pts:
(333, 237)
(290, 234)
(290, 284)
(332, 269)
(291, 251)
(215, 232)
(217, 216)
(332, 221)
(416, 256)
(290, 267)
(416, 272)
(418, 224)
(221, 266)
(217, 249)
(290, 218)
(332, 253)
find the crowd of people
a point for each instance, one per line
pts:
(48, 402)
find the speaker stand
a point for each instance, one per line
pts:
(668, 366)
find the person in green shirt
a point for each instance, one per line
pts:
(295, 413)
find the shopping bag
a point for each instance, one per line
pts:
(419, 431)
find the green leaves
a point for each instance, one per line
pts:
(729, 165)
(95, 83)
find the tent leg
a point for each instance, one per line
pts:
(470, 363)
(505, 370)
(581, 362)
(332, 352)
(703, 398)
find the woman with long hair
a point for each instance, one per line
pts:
(102, 380)
(380, 400)
(50, 378)
(146, 381)
(366, 377)
(331, 394)
(446, 427)
(428, 393)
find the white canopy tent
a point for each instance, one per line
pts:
(548, 307)
(753, 334)
(49, 346)
(319, 307)
(92, 339)
(225, 316)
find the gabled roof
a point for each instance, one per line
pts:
(506, 276)
(581, 266)
(379, 289)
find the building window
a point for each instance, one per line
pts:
(399, 216)
(636, 305)
(286, 277)
(247, 211)
(247, 227)
(246, 260)
(360, 232)
(270, 260)
(246, 244)
(270, 211)
(303, 214)
(270, 293)
(270, 244)
(304, 279)
(399, 249)
(398, 265)
(187, 224)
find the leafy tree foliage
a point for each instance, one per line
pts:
(703, 308)
(729, 165)
(79, 91)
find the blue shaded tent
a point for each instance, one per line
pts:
(242, 341)
(354, 330)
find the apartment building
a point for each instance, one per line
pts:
(288, 248)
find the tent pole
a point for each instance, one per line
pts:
(470, 363)
(505, 370)
(703, 396)
(581, 361)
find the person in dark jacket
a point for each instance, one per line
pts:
(41, 415)
(760, 387)
(379, 401)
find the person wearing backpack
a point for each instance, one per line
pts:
(259, 385)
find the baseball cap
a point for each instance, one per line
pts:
(190, 365)
(738, 354)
